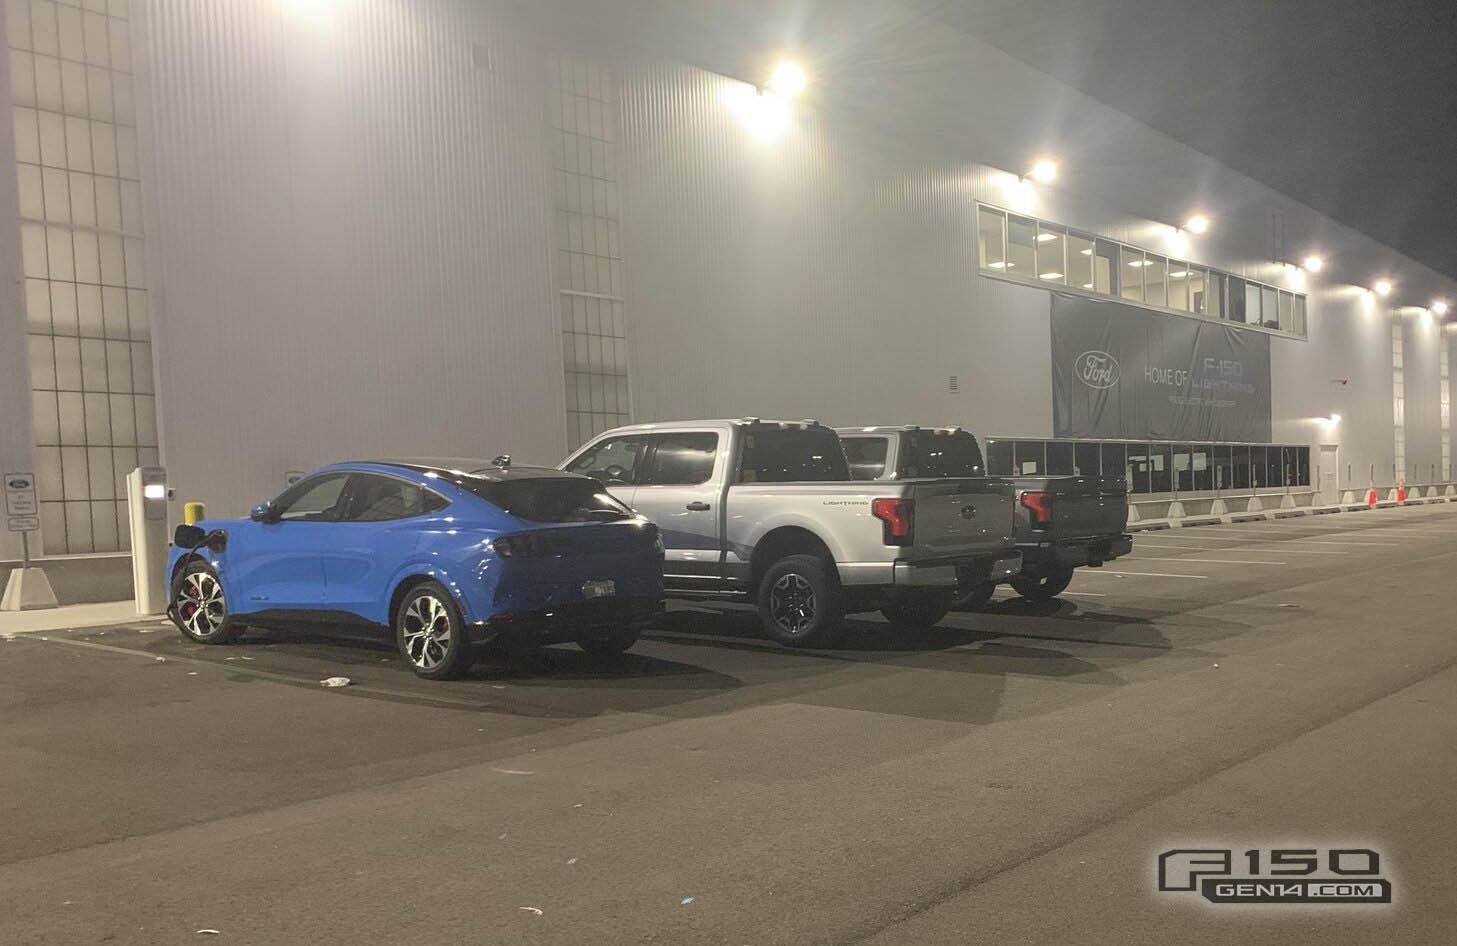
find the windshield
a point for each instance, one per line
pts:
(549, 499)
(931, 454)
(791, 455)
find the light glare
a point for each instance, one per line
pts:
(765, 115)
(788, 79)
(1044, 171)
(1440, 307)
(1313, 263)
(1382, 288)
(1197, 224)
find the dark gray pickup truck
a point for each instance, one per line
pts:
(1062, 522)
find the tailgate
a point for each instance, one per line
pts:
(1085, 506)
(957, 516)
(553, 566)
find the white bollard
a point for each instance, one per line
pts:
(146, 500)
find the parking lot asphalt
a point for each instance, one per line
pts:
(1008, 777)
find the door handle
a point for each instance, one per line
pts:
(696, 506)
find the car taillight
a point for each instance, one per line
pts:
(898, 516)
(1039, 505)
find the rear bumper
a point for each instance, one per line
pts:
(1092, 551)
(950, 574)
(568, 622)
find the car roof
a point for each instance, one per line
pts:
(468, 466)
(897, 429)
(719, 422)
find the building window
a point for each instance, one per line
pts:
(1059, 458)
(1021, 247)
(1080, 261)
(1037, 252)
(991, 238)
(1085, 460)
(1029, 458)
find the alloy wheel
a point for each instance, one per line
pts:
(201, 605)
(792, 604)
(427, 632)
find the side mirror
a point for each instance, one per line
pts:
(263, 512)
(188, 537)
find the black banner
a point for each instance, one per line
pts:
(1122, 372)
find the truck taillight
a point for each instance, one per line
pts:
(1039, 506)
(898, 518)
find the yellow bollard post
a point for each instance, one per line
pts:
(192, 513)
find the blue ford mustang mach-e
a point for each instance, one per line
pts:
(450, 554)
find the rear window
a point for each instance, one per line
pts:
(866, 456)
(549, 499)
(789, 455)
(926, 453)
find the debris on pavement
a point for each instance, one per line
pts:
(513, 771)
(161, 660)
(685, 901)
(571, 861)
(335, 681)
(209, 932)
(532, 910)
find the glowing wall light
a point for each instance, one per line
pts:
(1382, 287)
(764, 114)
(787, 80)
(1044, 171)
(1313, 263)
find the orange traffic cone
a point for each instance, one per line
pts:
(1401, 492)
(1371, 495)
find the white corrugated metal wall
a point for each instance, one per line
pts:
(355, 252)
(353, 236)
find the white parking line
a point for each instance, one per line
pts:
(1086, 594)
(1119, 574)
(1238, 545)
(1201, 561)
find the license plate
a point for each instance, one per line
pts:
(599, 589)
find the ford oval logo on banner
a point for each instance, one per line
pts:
(1096, 369)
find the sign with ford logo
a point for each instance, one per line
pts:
(20, 503)
(1096, 369)
(1131, 373)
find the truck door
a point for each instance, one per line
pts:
(676, 490)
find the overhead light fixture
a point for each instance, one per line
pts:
(1439, 306)
(1049, 276)
(1313, 263)
(1086, 252)
(1046, 237)
(1044, 171)
(1136, 263)
(787, 80)
(1000, 264)
(1087, 285)
(1178, 273)
(1335, 418)
(764, 114)
(1197, 224)
(1382, 288)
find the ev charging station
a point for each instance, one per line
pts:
(146, 500)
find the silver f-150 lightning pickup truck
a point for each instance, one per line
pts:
(767, 511)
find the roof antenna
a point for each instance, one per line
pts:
(503, 461)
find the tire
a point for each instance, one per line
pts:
(978, 597)
(199, 607)
(1053, 583)
(919, 610)
(430, 633)
(612, 643)
(800, 602)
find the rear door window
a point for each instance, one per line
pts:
(682, 459)
(791, 455)
(615, 462)
(374, 498)
(866, 456)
